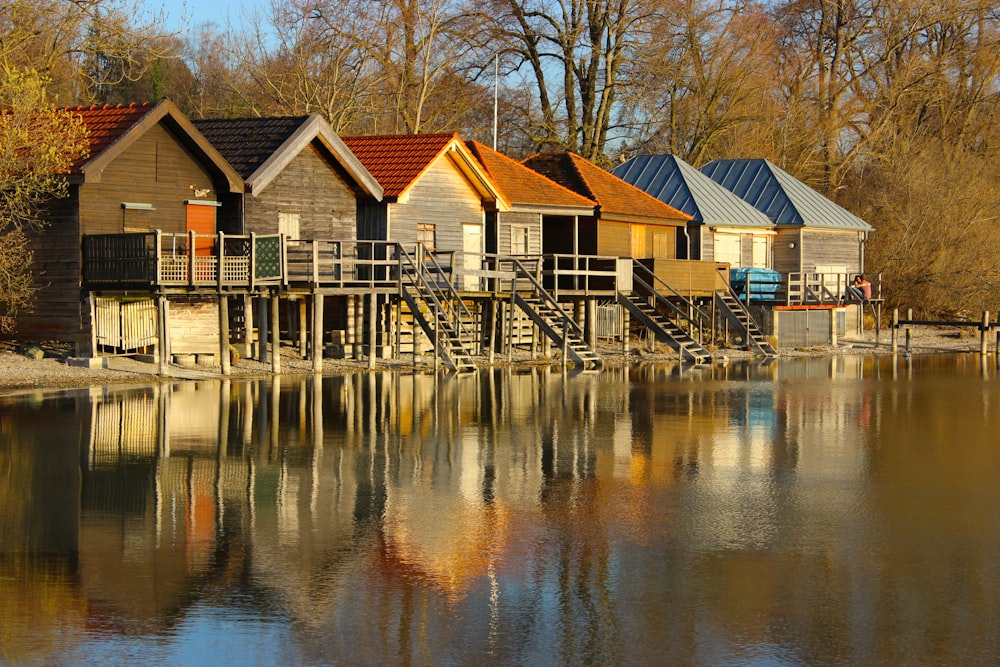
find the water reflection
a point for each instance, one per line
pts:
(807, 511)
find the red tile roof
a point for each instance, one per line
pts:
(523, 185)
(106, 124)
(613, 194)
(396, 160)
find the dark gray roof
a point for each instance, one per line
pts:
(260, 148)
(247, 143)
(675, 182)
(784, 198)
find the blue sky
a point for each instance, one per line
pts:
(196, 12)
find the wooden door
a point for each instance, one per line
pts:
(201, 220)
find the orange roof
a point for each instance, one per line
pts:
(523, 185)
(613, 194)
(396, 160)
(106, 124)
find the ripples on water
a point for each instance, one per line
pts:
(815, 511)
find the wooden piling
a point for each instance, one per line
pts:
(224, 334)
(302, 319)
(372, 328)
(983, 331)
(275, 334)
(895, 330)
(909, 331)
(263, 324)
(164, 343)
(317, 333)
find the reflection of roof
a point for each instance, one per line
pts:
(522, 185)
(781, 196)
(259, 148)
(614, 195)
(678, 184)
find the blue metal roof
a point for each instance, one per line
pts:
(782, 197)
(675, 182)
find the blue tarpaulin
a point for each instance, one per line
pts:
(764, 283)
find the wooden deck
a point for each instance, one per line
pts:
(184, 263)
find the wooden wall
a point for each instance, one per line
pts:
(156, 170)
(784, 258)
(614, 239)
(442, 197)
(827, 247)
(510, 219)
(311, 187)
(55, 269)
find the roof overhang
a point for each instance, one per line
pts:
(644, 219)
(316, 128)
(168, 113)
(469, 166)
(552, 209)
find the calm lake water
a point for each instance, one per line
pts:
(802, 512)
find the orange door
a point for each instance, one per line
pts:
(201, 220)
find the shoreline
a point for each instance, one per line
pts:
(19, 372)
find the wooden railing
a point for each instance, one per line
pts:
(188, 260)
(825, 288)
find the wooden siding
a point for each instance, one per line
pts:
(55, 268)
(155, 170)
(614, 239)
(441, 197)
(786, 259)
(822, 247)
(689, 277)
(193, 326)
(511, 219)
(311, 187)
(372, 219)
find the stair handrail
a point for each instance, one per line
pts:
(644, 270)
(568, 322)
(417, 274)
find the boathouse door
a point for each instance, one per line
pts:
(201, 221)
(472, 248)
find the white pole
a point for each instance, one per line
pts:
(496, 86)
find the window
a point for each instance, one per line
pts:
(727, 249)
(760, 253)
(288, 224)
(519, 240)
(425, 235)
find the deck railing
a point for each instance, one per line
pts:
(825, 288)
(227, 261)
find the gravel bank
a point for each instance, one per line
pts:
(18, 371)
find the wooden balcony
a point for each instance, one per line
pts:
(159, 261)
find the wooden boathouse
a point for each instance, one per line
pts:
(235, 237)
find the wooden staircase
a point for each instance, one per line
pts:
(663, 328)
(435, 305)
(554, 322)
(736, 313)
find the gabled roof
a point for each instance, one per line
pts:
(676, 183)
(523, 186)
(260, 148)
(781, 196)
(615, 196)
(112, 129)
(397, 161)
